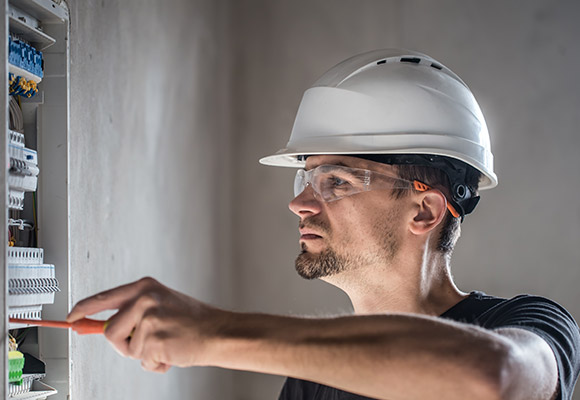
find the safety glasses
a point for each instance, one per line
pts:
(333, 182)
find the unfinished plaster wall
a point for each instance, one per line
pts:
(149, 171)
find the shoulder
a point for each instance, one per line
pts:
(526, 309)
(540, 315)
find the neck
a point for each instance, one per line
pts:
(420, 284)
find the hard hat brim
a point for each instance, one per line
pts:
(289, 157)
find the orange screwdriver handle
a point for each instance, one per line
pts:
(83, 326)
(88, 326)
(49, 324)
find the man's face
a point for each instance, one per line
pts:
(346, 234)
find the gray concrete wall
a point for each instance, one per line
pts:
(173, 103)
(519, 57)
(149, 166)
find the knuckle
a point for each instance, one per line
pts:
(101, 296)
(164, 368)
(147, 281)
(109, 334)
(113, 336)
(151, 365)
(150, 320)
(121, 348)
(133, 353)
(147, 300)
(146, 365)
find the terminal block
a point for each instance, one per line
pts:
(25, 57)
(31, 283)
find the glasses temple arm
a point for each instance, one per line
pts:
(421, 187)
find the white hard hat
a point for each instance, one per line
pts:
(390, 102)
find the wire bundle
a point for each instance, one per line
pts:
(21, 86)
(16, 117)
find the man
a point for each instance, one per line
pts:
(394, 149)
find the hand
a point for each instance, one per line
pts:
(155, 324)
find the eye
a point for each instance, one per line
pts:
(337, 182)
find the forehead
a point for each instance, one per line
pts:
(347, 161)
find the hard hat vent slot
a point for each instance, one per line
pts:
(381, 62)
(436, 66)
(413, 60)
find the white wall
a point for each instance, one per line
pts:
(521, 58)
(149, 173)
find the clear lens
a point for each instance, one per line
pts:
(300, 181)
(333, 182)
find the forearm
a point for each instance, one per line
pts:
(382, 356)
(388, 356)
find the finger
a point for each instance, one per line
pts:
(149, 365)
(108, 300)
(136, 344)
(152, 356)
(126, 326)
(146, 336)
(162, 368)
(154, 366)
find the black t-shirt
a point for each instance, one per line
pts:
(544, 317)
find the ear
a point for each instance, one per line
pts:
(431, 206)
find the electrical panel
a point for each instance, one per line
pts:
(23, 172)
(36, 67)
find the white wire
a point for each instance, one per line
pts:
(20, 223)
(16, 117)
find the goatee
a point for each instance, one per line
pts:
(328, 262)
(313, 266)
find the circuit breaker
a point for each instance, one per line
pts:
(35, 261)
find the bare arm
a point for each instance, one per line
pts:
(382, 356)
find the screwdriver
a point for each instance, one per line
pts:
(83, 326)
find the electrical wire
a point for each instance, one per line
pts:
(20, 223)
(11, 241)
(19, 335)
(16, 117)
(12, 344)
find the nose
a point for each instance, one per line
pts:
(305, 204)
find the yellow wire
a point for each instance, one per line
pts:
(12, 343)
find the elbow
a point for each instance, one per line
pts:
(520, 372)
(496, 374)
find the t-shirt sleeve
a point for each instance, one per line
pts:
(552, 323)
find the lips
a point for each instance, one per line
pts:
(312, 228)
(307, 234)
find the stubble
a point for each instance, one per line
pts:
(332, 261)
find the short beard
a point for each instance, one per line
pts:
(327, 263)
